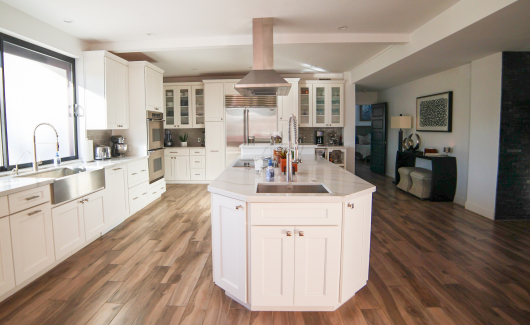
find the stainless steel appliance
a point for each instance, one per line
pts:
(102, 152)
(248, 116)
(319, 137)
(155, 145)
(118, 146)
(320, 152)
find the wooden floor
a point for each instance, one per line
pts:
(431, 263)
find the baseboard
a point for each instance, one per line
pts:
(487, 213)
(459, 200)
(188, 182)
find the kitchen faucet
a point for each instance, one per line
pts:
(292, 150)
(35, 164)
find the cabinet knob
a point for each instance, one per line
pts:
(239, 207)
(350, 205)
(289, 234)
(301, 233)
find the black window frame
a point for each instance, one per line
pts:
(8, 165)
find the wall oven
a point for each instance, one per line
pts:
(155, 145)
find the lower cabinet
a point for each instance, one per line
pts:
(295, 265)
(32, 239)
(94, 215)
(177, 168)
(68, 227)
(116, 197)
(138, 197)
(7, 273)
(156, 190)
(185, 164)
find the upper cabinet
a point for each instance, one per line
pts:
(146, 88)
(184, 105)
(287, 105)
(107, 91)
(305, 114)
(154, 81)
(321, 104)
(214, 101)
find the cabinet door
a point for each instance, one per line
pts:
(94, 215)
(115, 196)
(356, 245)
(215, 149)
(198, 106)
(184, 108)
(170, 168)
(214, 106)
(230, 245)
(122, 96)
(153, 90)
(7, 272)
(336, 111)
(317, 265)
(320, 105)
(305, 114)
(110, 92)
(169, 105)
(283, 128)
(182, 168)
(68, 227)
(289, 104)
(159, 90)
(272, 265)
(32, 239)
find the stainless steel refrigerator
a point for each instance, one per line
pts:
(242, 122)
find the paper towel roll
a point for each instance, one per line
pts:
(89, 151)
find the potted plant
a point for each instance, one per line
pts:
(283, 161)
(184, 139)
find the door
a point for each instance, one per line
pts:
(68, 227)
(182, 168)
(115, 199)
(198, 106)
(215, 149)
(32, 239)
(305, 116)
(230, 245)
(320, 105)
(7, 272)
(94, 215)
(378, 146)
(355, 234)
(170, 168)
(272, 265)
(169, 105)
(184, 108)
(214, 106)
(336, 111)
(317, 265)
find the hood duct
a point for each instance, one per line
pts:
(263, 80)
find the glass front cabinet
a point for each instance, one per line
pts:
(321, 105)
(184, 106)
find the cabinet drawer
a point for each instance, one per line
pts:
(29, 198)
(198, 175)
(197, 152)
(138, 197)
(156, 189)
(177, 152)
(296, 213)
(4, 207)
(197, 162)
(137, 172)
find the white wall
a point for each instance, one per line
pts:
(349, 123)
(486, 76)
(402, 100)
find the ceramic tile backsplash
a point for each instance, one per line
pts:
(308, 134)
(99, 137)
(193, 136)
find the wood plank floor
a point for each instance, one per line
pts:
(431, 263)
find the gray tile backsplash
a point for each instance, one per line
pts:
(308, 134)
(193, 136)
(99, 137)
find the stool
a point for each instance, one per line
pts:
(421, 183)
(404, 178)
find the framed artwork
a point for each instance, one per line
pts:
(434, 113)
(366, 112)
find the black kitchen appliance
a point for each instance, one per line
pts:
(319, 137)
(168, 140)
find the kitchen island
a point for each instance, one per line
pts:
(289, 251)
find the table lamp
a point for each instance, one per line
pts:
(401, 122)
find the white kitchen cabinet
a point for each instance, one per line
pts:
(214, 105)
(215, 149)
(107, 91)
(32, 239)
(356, 245)
(305, 113)
(156, 190)
(7, 271)
(184, 105)
(4, 207)
(68, 227)
(115, 199)
(197, 104)
(94, 214)
(328, 105)
(185, 165)
(153, 89)
(317, 265)
(272, 265)
(230, 245)
(138, 172)
(288, 105)
(182, 168)
(169, 173)
(138, 197)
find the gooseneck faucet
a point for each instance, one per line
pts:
(35, 164)
(292, 150)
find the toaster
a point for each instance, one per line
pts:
(102, 152)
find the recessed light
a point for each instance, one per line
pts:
(343, 27)
(151, 34)
(68, 21)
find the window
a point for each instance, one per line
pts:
(38, 87)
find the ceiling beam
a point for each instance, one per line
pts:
(152, 45)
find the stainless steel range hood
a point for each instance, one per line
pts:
(263, 80)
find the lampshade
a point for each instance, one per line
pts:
(401, 122)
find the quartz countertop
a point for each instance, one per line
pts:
(10, 183)
(241, 183)
(268, 145)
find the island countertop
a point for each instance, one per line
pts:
(241, 183)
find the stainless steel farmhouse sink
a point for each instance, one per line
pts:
(71, 183)
(300, 188)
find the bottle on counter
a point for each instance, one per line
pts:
(56, 160)
(270, 172)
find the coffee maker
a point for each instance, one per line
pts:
(118, 146)
(319, 137)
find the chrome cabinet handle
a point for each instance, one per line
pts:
(237, 207)
(116, 169)
(350, 205)
(134, 174)
(135, 198)
(197, 161)
(34, 212)
(32, 197)
(214, 150)
(144, 193)
(197, 174)
(161, 188)
(143, 170)
(301, 233)
(154, 192)
(289, 234)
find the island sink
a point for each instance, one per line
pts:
(291, 188)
